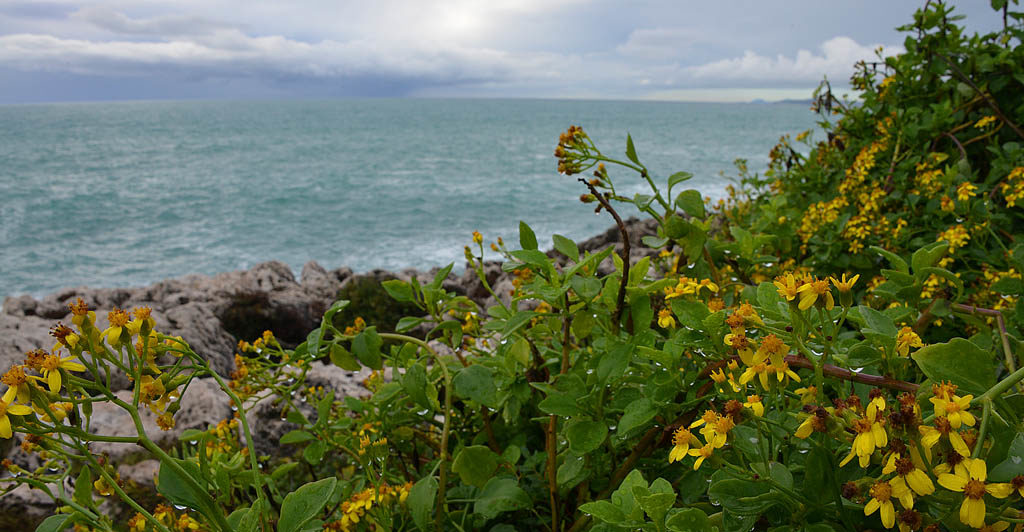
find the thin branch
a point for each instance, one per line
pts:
(1007, 352)
(845, 374)
(988, 99)
(621, 299)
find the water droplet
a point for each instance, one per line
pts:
(423, 412)
(590, 372)
(180, 507)
(503, 341)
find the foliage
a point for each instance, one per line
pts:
(744, 377)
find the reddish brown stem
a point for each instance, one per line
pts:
(845, 374)
(621, 299)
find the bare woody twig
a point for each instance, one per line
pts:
(1007, 352)
(988, 99)
(620, 301)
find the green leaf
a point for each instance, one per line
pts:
(630, 150)
(689, 520)
(518, 320)
(314, 452)
(572, 471)
(54, 523)
(877, 321)
(654, 504)
(342, 358)
(83, 488)
(586, 288)
(677, 178)
(476, 383)
(586, 436)
(422, 501)
(454, 330)
(559, 404)
(637, 414)
(927, 256)
(416, 384)
(176, 489)
(959, 361)
(398, 289)
(475, 465)
(613, 362)
(366, 346)
(501, 495)
(566, 247)
(296, 436)
(303, 504)
(676, 227)
(894, 259)
(692, 203)
(742, 497)
(408, 323)
(313, 341)
(527, 240)
(862, 354)
(653, 242)
(1008, 286)
(604, 511)
(1014, 463)
(337, 307)
(520, 351)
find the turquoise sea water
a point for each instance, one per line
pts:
(125, 194)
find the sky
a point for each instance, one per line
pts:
(707, 50)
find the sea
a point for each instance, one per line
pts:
(120, 194)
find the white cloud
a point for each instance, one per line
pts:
(836, 61)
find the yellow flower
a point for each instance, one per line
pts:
(946, 203)
(749, 315)
(807, 395)
(971, 481)
(984, 121)
(682, 439)
(478, 238)
(118, 319)
(811, 291)
(931, 435)
(908, 477)
(955, 410)
(844, 285)
(870, 434)
(5, 423)
(787, 286)
(103, 488)
(966, 191)
(703, 453)
(906, 339)
(51, 367)
(754, 403)
(17, 384)
(881, 492)
(665, 319)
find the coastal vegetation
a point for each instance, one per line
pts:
(834, 346)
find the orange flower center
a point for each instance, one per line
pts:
(904, 467)
(975, 489)
(862, 426)
(681, 436)
(79, 308)
(14, 377)
(117, 317)
(143, 313)
(51, 362)
(881, 491)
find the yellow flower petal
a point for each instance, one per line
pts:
(952, 482)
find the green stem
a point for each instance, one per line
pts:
(985, 414)
(448, 391)
(1001, 386)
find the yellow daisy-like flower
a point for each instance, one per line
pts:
(908, 477)
(17, 385)
(754, 403)
(702, 454)
(51, 367)
(906, 339)
(931, 435)
(881, 492)
(955, 409)
(811, 291)
(844, 285)
(682, 439)
(966, 191)
(984, 121)
(870, 434)
(665, 319)
(787, 286)
(5, 422)
(102, 487)
(118, 319)
(971, 481)
(478, 238)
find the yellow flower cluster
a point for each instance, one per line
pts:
(819, 214)
(356, 507)
(1013, 187)
(957, 236)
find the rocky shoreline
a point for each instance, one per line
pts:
(212, 313)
